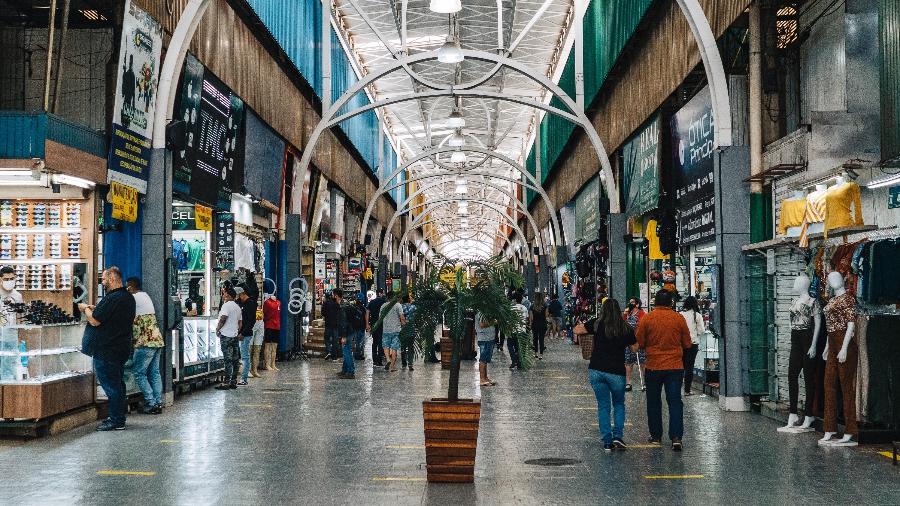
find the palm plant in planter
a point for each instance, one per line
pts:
(449, 296)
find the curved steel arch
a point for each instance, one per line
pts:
(420, 222)
(519, 206)
(557, 231)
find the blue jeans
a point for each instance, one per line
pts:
(671, 381)
(145, 367)
(245, 356)
(349, 365)
(610, 392)
(512, 344)
(359, 341)
(332, 341)
(111, 376)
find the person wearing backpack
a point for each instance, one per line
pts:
(607, 370)
(356, 320)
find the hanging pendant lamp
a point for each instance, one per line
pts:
(445, 6)
(456, 119)
(450, 52)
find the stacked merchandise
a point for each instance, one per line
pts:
(39, 237)
(590, 286)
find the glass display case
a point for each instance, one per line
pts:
(42, 370)
(200, 352)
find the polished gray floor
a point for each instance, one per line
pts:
(302, 436)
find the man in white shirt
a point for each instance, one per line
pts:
(9, 338)
(228, 329)
(512, 343)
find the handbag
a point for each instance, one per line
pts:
(585, 339)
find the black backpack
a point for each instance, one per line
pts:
(355, 316)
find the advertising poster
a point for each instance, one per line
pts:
(640, 170)
(696, 222)
(183, 218)
(187, 110)
(225, 241)
(138, 75)
(587, 212)
(693, 140)
(124, 202)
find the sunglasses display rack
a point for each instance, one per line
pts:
(41, 240)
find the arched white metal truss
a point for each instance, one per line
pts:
(576, 115)
(519, 206)
(420, 221)
(435, 204)
(533, 184)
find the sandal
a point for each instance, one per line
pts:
(486, 384)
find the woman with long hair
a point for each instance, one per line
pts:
(537, 317)
(690, 310)
(612, 335)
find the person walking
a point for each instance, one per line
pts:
(555, 310)
(356, 319)
(484, 335)
(391, 323)
(664, 335)
(272, 331)
(537, 318)
(633, 316)
(108, 339)
(148, 346)
(248, 320)
(228, 330)
(373, 313)
(407, 353)
(512, 342)
(331, 313)
(612, 335)
(690, 310)
(343, 331)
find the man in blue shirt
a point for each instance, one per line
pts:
(107, 338)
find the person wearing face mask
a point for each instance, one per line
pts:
(107, 338)
(9, 339)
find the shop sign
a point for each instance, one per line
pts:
(212, 164)
(225, 241)
(129, 147)
(183, 218)
(355, 264)
(696, 223)
(693, 143)
(320, 265)
(202, 218)
(640, 170)
(587, 212)
(894, 197)
(124, 202)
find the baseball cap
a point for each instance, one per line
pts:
(238, 290)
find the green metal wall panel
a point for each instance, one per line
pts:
(760, 312)
(889, 21)
(22, 134)
(635, 270)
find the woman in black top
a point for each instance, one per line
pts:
(607, 371)
(537, 316)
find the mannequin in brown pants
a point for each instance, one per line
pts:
(841, 356)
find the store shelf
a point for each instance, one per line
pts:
(40, 353)
(793, 241)
(42, 261)
(40, 380)
(776, 172)
(39, 230)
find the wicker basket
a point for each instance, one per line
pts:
(587, 345)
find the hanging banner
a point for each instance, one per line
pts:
(225, 241)
(693, 142)
(587, 212)
(124, 202)
(187, 110)
(183, 218)
(132, 128)
(203, 217)
(640, 169)
(696, 223)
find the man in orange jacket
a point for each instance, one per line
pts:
(664, 335)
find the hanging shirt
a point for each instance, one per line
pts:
(179, 253)
(196, 255)
(843, 207)
(243, 253)
(792, 213)
(815, 213)
(272, 313)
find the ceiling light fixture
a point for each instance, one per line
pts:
(456, 140)
(462, 189)
(885, 181)
(445, 6)
(450, 52)
(458, 157)
(456, 119)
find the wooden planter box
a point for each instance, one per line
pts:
(451, 439)
(41, 400)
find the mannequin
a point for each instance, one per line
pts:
(806, 321)
(841, 356)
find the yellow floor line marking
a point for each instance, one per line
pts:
(586, 408)
(232, 420)
(645, 446)
(256, 406)
(397, 478)
(113, 472)
(889, 455)
(673, 476)
(559, 377)
(577, 395)
(169, 441)
(405, 447)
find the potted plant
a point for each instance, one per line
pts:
(446, 296)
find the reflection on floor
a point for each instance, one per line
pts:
(302, 435)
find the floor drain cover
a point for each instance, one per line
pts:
(552, 462)
(277, 389)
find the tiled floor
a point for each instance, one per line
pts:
(302, 436)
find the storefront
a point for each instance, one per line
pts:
(589, 276)
(48, 236)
